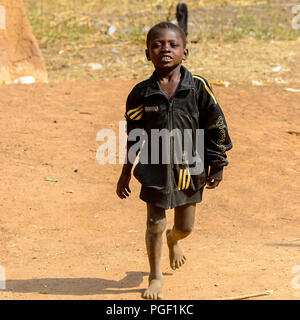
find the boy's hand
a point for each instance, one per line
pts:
(212, 183)
(123, 189)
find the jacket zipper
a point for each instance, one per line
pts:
(171, 166)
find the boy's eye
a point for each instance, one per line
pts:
(155, 45)
(158, 44)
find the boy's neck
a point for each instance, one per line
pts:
(168, 74)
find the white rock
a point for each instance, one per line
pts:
(256, 83)
(292, 90)
(93, 65)
(276, 69)
(111, 30)
(280, 81)
(25, 80)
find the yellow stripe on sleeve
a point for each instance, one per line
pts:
(134, 110)
(206, 87)
(135, 114)
(139, 117)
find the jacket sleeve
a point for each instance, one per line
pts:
(134, 115)
(216, 138)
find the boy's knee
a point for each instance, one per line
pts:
(156, 225)
(184, 230)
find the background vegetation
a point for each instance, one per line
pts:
(96, 39)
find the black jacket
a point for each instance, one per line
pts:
(193, 106)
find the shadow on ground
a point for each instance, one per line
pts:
(79, 286)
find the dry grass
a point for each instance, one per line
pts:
(222, 20)
(235, 41)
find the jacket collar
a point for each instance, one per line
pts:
(186, 82)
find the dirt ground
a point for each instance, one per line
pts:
(75, 239)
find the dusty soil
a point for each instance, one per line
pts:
(74, 239)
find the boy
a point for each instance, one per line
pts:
(172, 99)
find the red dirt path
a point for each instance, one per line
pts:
(74, 239)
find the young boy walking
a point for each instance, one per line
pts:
(172, 99)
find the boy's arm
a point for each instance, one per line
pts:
(216, 138)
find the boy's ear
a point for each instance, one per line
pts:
(185, 54)
(147, 54)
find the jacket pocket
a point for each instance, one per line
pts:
(151, 175)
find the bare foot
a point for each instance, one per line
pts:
(154, 290)
(177, 258)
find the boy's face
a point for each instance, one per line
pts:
(166, 49)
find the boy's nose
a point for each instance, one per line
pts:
(165, 47)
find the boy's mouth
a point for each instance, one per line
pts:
(166, 58)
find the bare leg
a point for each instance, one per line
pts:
(156, 224)
(183, 226)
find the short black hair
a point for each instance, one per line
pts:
(165, 25)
